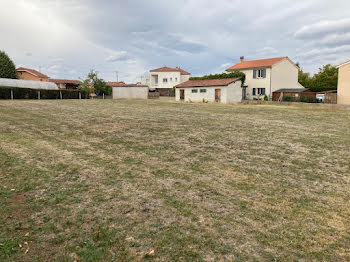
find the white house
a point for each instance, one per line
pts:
(265, 76)
(164, 79)
(227, 90)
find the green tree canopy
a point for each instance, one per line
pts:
(325, 79)
(7, 67)
(93, 84)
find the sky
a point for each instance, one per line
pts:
(67, 38)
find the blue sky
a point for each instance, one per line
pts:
(67, 38)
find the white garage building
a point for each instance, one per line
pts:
(227, 90)
(130, 91)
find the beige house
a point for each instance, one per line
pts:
(227, 90)
(165, 78)
(343, 96)
(265, 76)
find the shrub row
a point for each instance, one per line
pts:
(304, 99)
(27, 93)
(222, 76)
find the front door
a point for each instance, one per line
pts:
(217, 95)
(182, 94)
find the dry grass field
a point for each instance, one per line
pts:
(166, 181)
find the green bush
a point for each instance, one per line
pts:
(27, 93)
(221, 76)
(287, 98)
(266, 98)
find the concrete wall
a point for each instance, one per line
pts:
(344, 85)
(229, 94)
(27, 76)
(140, 92)
(284, 75)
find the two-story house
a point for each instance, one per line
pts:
(164, 79)
(265, 76)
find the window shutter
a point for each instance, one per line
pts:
(254, 73)
(264, 73)
(253, 91)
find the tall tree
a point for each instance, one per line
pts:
(7, 67)
(326, 78)
(94, 84)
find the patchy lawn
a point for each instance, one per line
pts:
(117, 180)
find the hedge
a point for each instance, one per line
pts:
(28, 93)
(221, 76)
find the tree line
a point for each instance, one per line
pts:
(325, 79)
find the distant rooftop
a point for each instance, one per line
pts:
(169, 69)
(31, 71)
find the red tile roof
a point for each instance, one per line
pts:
(256, 63)
(208, 82)
(169, 69)
(114, 83)
(64, 81)
(32, 71)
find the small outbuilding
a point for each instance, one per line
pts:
(226, 90)
(294, 94)
(130, 91)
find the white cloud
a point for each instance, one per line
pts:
(323, 28)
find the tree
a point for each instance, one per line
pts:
(93, 84)
(304, 78)
(7, 67)
(326, 78)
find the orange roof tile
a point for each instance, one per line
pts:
(208, 82)
(256, 63)
(32, 71)
(169, 69)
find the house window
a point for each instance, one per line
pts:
(259, 73)
(261, 91)
(165, 80)
(175, 79)
(171, 79)
(194, 90)
(254, 91)
(203, 90)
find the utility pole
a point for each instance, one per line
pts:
(116, 72)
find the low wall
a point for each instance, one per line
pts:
(131, 92)
(283, 103)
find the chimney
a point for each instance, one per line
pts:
(241, 59)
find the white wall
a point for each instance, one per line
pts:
(229, 94)
(256, 82)
(234, 92)
(284, 75)
(130, 92)
(168, 75)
